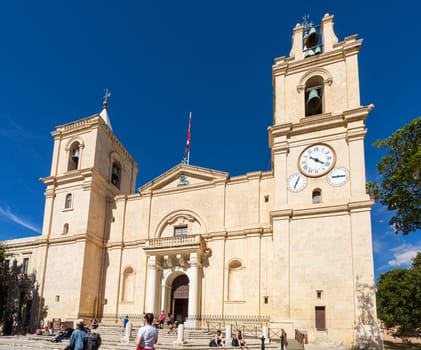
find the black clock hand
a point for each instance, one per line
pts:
(334, 176)
(296, 182)
(317, 160)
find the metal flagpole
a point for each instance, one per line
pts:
(186, 158)
(189, 135)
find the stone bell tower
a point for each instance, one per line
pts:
(321, 216)
(89, 168)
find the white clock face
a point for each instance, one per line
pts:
(297, 182)
(316, 160)
(338, 176)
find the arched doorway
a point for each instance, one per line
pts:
(180, 298)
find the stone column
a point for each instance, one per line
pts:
(265, 333)
(228, 335)
(193, 290)
(151, 287)
(163, 296)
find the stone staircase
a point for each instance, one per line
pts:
(113, 339)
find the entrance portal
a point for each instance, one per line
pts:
(180, 298)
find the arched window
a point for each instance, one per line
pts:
(74, 156)
(65, 228)
(68, 202)
(116, 174)
(314, 96)
(235, 281)
(128, 285)
(317, 196)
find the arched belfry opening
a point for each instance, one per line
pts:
(116, 174)
(314, 96)
(74, 156)
(179, 304)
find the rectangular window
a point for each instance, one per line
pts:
(7, 264)
(181, 230)
(25, 266)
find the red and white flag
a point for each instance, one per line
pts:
(187, 151)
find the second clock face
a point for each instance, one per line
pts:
(316, 160)
(338, 176)
(297, 182)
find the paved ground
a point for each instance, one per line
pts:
(28, 343)
(113, 341)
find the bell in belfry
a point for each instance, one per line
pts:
(75, 154)
(313, 101)
(308, 52)
(312, 38)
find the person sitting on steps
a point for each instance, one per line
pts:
(238, 340)
(216, 341)
(171, 325)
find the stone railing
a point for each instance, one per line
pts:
(176, 241)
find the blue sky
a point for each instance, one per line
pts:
(163, 59)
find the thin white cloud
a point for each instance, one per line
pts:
(402, 255)
(8, 215)
(14, 131)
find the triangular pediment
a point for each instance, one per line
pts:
(183, 176)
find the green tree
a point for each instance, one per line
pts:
(400, 170)
(416, 262)
(18, 291)
(5, 277)
(399, 298)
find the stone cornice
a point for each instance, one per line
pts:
(32, 243)
(360, 205)
(138, 243)
(319, 210)
(89, 179)
(29, 242)
(92, 122)
(256, 175)
(321, 122)
(349, 46)
(181, 189)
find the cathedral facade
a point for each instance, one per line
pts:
(290, 247)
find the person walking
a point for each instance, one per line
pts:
(125, 321)
(78, 336)
(93, 338)
(147, 335)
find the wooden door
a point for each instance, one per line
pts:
(320, 318)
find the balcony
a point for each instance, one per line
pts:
(182, 244)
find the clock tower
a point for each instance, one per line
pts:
(321, 213)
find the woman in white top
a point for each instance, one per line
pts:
(147, 336)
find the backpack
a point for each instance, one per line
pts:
(91, 341)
